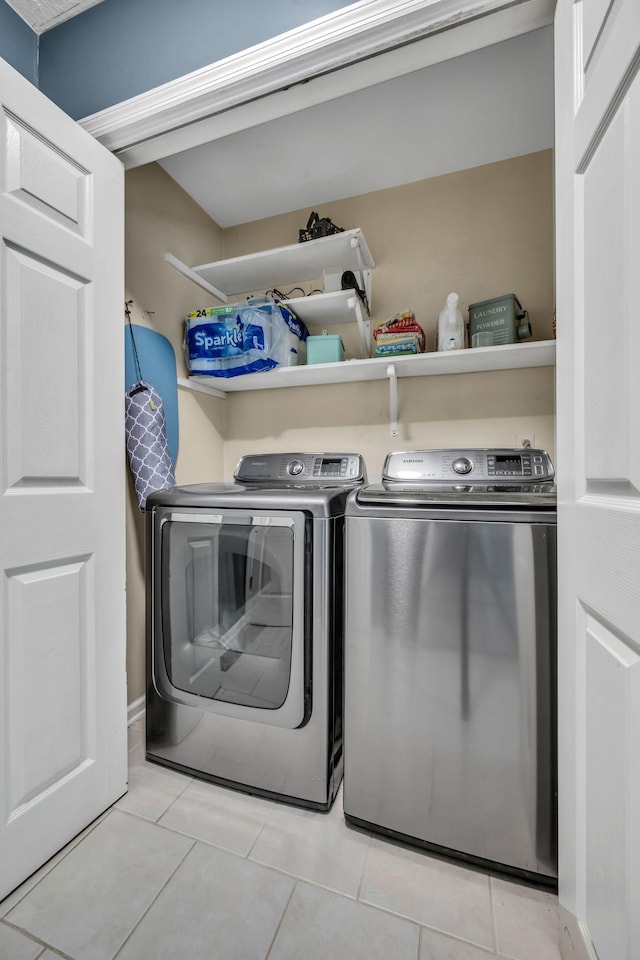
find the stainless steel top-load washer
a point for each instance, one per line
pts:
(245, 626)
(450, 704)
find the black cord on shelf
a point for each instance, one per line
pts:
(278, 295)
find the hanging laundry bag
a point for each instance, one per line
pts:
(146, 432)
(146, 438)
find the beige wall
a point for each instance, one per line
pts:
(482, 232)
(160, 217)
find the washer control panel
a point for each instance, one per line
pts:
(316, 469)
(462, 465)
(477, 465)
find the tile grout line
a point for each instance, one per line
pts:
(259, 834)
(281, 920)
(72, 844)
(353, 898)
(494, 925)
(153, 901)
(32, 937)
(279, 871)
(207, 843)
(491, 950)
(364, 868)
(294, 876)
(487, 951)
(444, 933)
(171, 802)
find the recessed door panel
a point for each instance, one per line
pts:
(606, 320)
(47, 654)
(48, 645)
(610, 198)
(594, 21)
(39, 175)
(46, 369)
(611, 790)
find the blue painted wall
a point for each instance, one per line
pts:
(121, 48)
(18, 43)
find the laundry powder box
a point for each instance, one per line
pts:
(325, 349)
(502, 317)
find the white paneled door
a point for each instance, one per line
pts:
(598, 443)
(62, 623)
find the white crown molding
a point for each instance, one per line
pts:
(152, 125)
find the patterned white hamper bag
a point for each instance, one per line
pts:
(146, 438)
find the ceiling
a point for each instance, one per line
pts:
(482, 107)
(485, 106)
(41, 15)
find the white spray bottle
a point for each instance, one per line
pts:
(451, 325)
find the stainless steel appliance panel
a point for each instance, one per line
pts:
(450, 654)
(302, 764)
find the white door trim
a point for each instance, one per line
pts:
(575, 943)
(203, 105)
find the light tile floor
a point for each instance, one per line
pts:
(184, 869)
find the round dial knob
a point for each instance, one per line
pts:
(295, 468)
(462, 465)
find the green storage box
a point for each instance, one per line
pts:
(503, 316)
(325, 349)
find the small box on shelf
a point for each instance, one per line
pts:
(325, 349)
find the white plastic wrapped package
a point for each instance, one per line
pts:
(248, 337)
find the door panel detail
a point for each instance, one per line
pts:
(41, 176)
(611, 342)
(46, 369)
(48, 646)
(595, 15)
(612, 788)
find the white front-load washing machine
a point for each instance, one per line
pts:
(245, 626)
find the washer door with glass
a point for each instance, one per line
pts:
(229, 613)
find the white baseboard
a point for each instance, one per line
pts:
(575, 942)
(135, 710)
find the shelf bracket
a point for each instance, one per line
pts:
(393, 399)
(363, 270)
(355, 304)
(195, 277)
